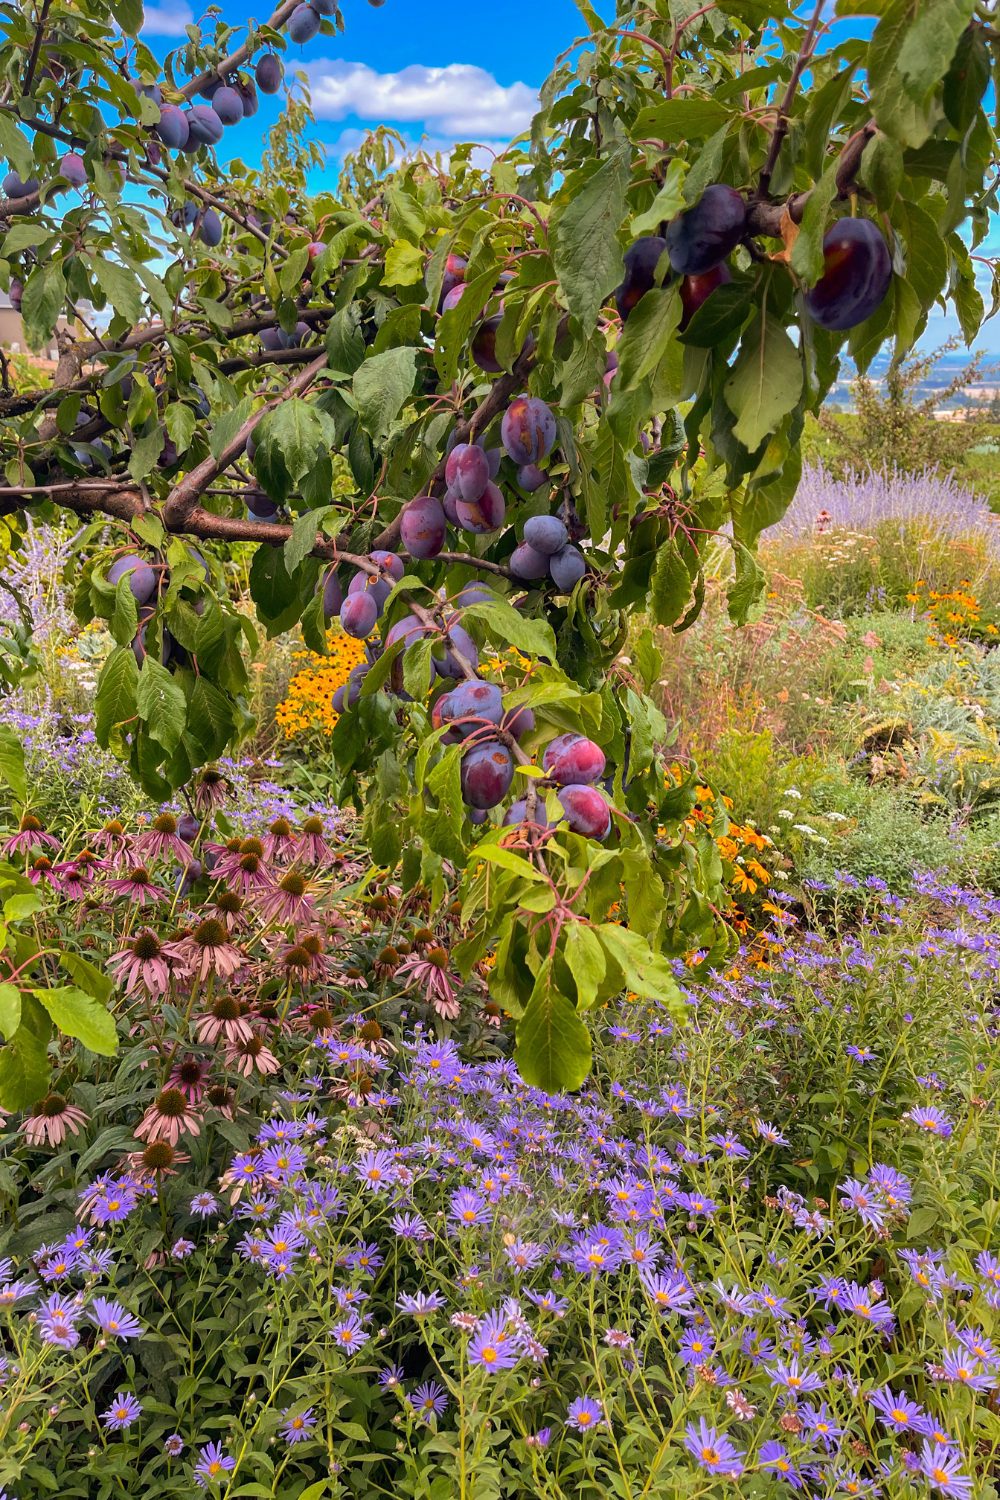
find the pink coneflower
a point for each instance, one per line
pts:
(288, 901)
(430, 974)
(280, 842)
(221, 1098)
(211, 789)
(374, 1040)
(253, 1055)
(168, 1118)
(162, 841)
(141, 964)
(491, 1015)
(74, 877)
(190, 1075)
(224, 1019)
(30, 835)
(39, 872)
(229, 908)
(314, 945)
(138, 886)
(352, 979)
(207, 950)
(313, 848)
(54, 1116)
(113, 838)
(387, 961)
(244, 867)
(159, 1159)
(316, 1020)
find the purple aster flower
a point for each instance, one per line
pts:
(57, 1320)
(540, 1439)
(774, 1456)
(931, 1120)
(864, 1304)
(428, 1400)
(203, 1204)
(376, 1170)
(123, 1411)
(863, 1200)
(549, 1302)
(181, 1249)
(712, 1450)
(988, 1266)
(410, 1227)
(367, 1258)
(467, 1209)
(173, 1446)
(770, 1133)
(898, 1413)
(349, 1334)
(791, 1378)
(295, 1429)
(282, 1162)
(940, 1466)
(818, 1423)
(696, 1346)
(960, 1368)
(491, 1346)
(668, 1293)
(113, 1320)
(420, 1304)
(524, 1255)
(585, 1414)
(391, 1378)
(213, 1464)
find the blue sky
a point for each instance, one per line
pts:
(438, 73)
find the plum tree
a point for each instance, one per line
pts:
(857, 274)
(524, 403)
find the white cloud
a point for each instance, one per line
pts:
(167, 19)
(460, 101)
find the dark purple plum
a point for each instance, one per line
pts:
(518, 722)
(210, 229)
(518, 812)
(187, 827)
(527, 564)
(391, 563)
(478, 816)
(483, 515)
(358, 615)
(378, 588)
(484, 346)
(567, 568)
(586, 811)
(204, 126)
(269, 72)
(333, 594)
(493, 457)
(173, 128)
(141, 577)
(528, 430)
(531, 478)
(449, 505)
(479, 702)
(487, 772)
(475, 593)
(696, 290)
(228, 105)
(407, 628)
(260, 505)
(545, 534)
(641, 260)
(573, 759)
(454, 275)
(247, 90)
(303, 24)
(422, 527)
(461, 641)
(708, 231)
(453, 298)
(467, 472)
(857, 274)
(73, 169)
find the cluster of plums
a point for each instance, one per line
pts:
(473, 501)
(856, 276)
(360, 610)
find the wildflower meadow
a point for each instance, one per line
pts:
(499, 781)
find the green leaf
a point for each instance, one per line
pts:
(648, 974)
(290, 440)
(669, 585)
(381, 387)
(766, 382)
(42, 302)
(553, 1050)
(12, 763)
(129, 15)
(303, 537)
(807, 252)
(161, 704)
(210, 719)
(404, 264)
(119, 286)
(117, 686)
(533, 637)
(585, 249)
(585, 958)
(648, 334)
(10, 1009)
(125, 616)
(928, 46)
(87, 975)
(668, 202)
(181, 423)
(675, 121)
(24, 1062)
(15, 147)
(77, 1014)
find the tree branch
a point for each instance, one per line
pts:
(781, 127)
(239, 57)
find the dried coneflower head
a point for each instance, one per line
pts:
(159, 1156)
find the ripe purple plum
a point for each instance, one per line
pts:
(706, 233)
(358, 615)
(696, 290)
(531, 478)
(172, 128)
(391, 563)
(528, 430)
(467, 472)
(368, 583)
(567, 567)
(187, 827)
(453, 298)
(454, 276)
(518, 813)
(857, 274)
(228, 105)
(449, 505)
(303, 24)
(422, 527)
(407, 629)
(269, 72)
(586, 811)
(572, 758)
(247, 90)
(545, 534)
(456, 640)
(518, 722)
(487, 772)
(333, 594)
(16, 293)
(480, 702)
(475, 593)
(259, 505)
(141, 577)
(528, 564)
(483, 515)
(210, 229)
(484, 346)
(641, 260)
(73, 169)
(204, 126)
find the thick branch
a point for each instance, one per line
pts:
(783, 121)
(239, 57)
